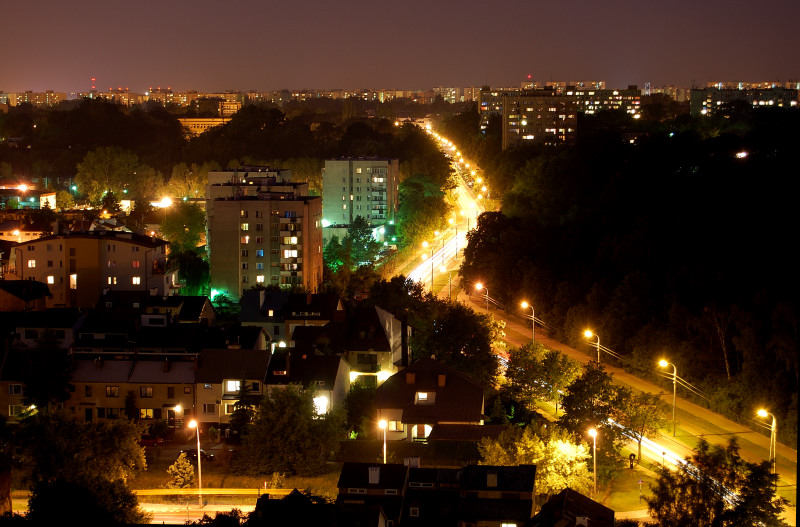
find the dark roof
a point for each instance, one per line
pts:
(57, 317)
(520, 478)
(564, 507)
(459, 400)
(25, 290)
(118, 236)
(305, 369)
(356, 475)
(448, 432)
(502, 510)
(320, 306)
(214, 365)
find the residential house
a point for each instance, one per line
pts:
(60, 323)
(370, 484)
(425, 394)
(220, 374)
(496, 496)
(327, 375)
(572, 509)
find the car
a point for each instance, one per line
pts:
(150, 440)
(191, 453)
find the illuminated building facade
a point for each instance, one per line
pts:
(262, 230)
(363, 186)
(709, 101)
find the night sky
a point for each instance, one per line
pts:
(411, 44)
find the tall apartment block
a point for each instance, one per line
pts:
(79, 267)
(540, 117)
(362, 186)
(709, 101)
(262, 229)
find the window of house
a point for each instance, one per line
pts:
(145, 391)
(187, 390)
(112, 280)
(229, 409)
(170, 392)
(413, 512)
(245, 226)
(49, 263)
(210, 409)
(136, 280)
(232, 386)
(260, 278)
(87, 390)
(14, 410)
(396, 426)
(31, 263)
(136, 264)
(245, 239)
(146, 413)
(51, 279)
(244, 265)
(112, 391)
(14, 389)
(244, 252)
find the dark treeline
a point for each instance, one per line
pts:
(675, 246)
(50, 142)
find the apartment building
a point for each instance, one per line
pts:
(360, 186)
(262, 229)
(539, 117)
(79, 267)
(709, 101)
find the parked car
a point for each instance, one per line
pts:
(191, 453)
(150, 440)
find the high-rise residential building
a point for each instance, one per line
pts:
(361, 186)
(539, 117)
(262, 229)
(79, 267)
(708, 101)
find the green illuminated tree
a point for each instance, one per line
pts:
(105, 169)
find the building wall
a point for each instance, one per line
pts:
(78, 268)
(264, 241)
(366, 187)
(539, 119)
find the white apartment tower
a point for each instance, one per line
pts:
(362, 186)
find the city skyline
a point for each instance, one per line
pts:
(250, 46)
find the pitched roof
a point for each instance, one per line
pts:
(57, 317)
(568, 505)
(305, 369)
(459, 400)
(215, 365)
(356, 475)
(520, 478)
(25, 290)
(451, 432)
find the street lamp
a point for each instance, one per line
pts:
(664, 364)
(382, 425)
(593, 433)
(194, 424)
(526, 305)
(479, 286)
(588, 334)
(773, 450)
(443, 270)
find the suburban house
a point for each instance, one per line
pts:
(221, 376)
(569, 508)
(327, 375)
(425, 394)
(369, 484)
(496, 496)
(29, 327)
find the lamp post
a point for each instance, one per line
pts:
(443, 270)
(772, 439)
(194, 424)
(526, 305)
(664, 364)
(453, 224)
(382, 425)
(593, 433)
(479, 286)
(588, 334)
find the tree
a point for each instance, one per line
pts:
(82, 464)
(716, 488)
(362, 246)
(194, 272)
(560, 463)
(538, 374)
(181, 472)
(644, 414)
(105, 169)
(288, 436)
(359, 406)
(64, 200)
(184, 227)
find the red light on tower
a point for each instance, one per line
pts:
(93, 80)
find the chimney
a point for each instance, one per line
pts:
(374, 475)
(261, 295)
(491, 480)
(165, 365)
(410, 378)
(442, 377)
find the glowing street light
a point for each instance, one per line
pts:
(194, 424)
(526, 305)
(664, 364)
(382, 425)
(588, 334)
(425, 257)
(479, 286)
(593, 433)
(773, 450)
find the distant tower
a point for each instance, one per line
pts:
(647, 88)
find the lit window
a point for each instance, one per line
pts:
(51, 279)
(136, 264)
(422, 396)
(290, 253)
(260, 279)
(31, 263)
(245, 239)
(112, 280)
(136, 280)
(232, 386)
